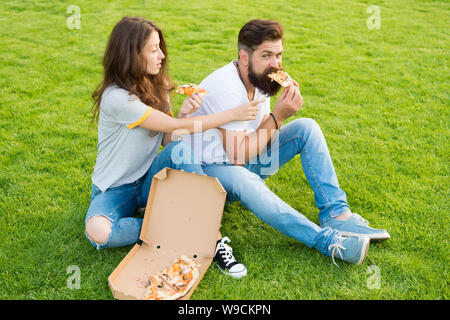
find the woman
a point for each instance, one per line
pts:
(134, 119)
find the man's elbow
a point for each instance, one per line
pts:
(234, 146)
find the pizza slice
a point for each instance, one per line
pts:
(189, 89)
(282, 78)
(173, 282)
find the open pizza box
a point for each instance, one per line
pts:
(182, 217)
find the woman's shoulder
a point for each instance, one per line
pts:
(114, 91)
(114, 95)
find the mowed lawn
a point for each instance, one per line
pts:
(381, 97)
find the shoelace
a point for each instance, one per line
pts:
(336, 247)
(364, 221)
(225, 250)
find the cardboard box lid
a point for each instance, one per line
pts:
(183, 213)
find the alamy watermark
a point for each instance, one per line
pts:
(74, 280)
(374, 20)
(374, 280)
(73, 21)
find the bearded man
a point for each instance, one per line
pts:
(242, 154)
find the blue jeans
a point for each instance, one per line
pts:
(246, 184)
(119, 204)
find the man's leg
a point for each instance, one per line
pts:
(304, 136)
(248, 188)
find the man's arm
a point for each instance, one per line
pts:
(240, 147)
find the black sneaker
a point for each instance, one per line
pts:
(226, 261)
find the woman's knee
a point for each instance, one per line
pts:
(98, 229)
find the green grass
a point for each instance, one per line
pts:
(380, 96)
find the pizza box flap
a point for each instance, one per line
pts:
(183, 212)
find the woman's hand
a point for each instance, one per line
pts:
(190, 105)
(246, 111)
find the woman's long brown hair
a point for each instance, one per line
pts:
(125, 66)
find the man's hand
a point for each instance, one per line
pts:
(289, 103)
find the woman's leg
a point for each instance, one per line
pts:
(109, 222)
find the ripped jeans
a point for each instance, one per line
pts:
(119, 204)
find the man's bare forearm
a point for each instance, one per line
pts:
(244, 147)
(249, 146)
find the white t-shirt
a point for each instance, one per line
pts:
(225, 91)
(125, 150)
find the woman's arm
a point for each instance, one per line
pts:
(167, 138)
(159, 121)
(189, 105)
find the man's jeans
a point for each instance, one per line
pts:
(246, 184)
(119, 204)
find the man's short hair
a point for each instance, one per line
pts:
(256, 31)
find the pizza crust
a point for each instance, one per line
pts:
(282, 78)
(189, 89)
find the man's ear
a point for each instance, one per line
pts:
(243, 58)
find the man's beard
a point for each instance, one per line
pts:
(262, 81)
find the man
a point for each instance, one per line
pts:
(242, 154)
